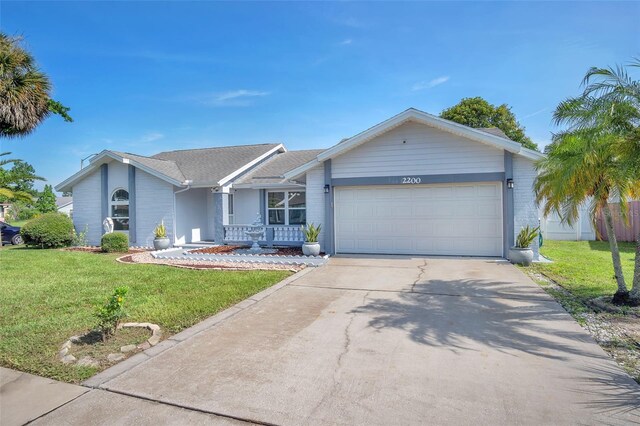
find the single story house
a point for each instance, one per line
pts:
(413, 184)
(65, 205)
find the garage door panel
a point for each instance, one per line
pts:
(453, 219)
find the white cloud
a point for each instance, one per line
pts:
(239, 97)
(421, 85)
(151, 137)
(346, 42)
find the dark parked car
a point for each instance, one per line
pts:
(10, 234)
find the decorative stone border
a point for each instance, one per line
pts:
(178, 253)
(66, 358)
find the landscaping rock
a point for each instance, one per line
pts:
(66, 345)
(68, 359)
(115, 357)
(144, 346)
(87, 361)
(155, 339)
(75, 339)
(63, 352)
(128, 348)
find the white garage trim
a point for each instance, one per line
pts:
(437, 219)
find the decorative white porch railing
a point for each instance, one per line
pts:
(273, 234)
(237, 232)
(287, 233)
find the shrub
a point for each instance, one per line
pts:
(526, 236)
(311, 233)
(110, 314)
(115, 242)
(48, 231)
(160, 231)
(80, 238)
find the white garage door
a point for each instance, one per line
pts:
(451, 219)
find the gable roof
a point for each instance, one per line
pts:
(195, 167)
(216, 166)
(272, 170)
(487, 136)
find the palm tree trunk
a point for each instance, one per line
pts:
(622, 295)
(634, 295)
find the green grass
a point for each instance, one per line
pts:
(584, 267)
(50, 295)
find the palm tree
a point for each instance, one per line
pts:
(24, 91)
(581, 167)
(597, 158)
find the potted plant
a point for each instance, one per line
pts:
(311, 246)
(161, 241)
(522, 252)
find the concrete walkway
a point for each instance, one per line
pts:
(376, 341)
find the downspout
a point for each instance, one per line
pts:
(175, 213)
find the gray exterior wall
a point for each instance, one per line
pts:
(154, 203)
(191, 215)
(525, 208)
(316, 202)
(87, 207)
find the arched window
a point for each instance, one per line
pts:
(120, 210)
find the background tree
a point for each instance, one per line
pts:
(24, 91)
(47, 201)
(477, 112)
(12, 184)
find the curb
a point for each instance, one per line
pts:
(111, 373)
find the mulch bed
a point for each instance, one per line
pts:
(93, 249)
(281, 251)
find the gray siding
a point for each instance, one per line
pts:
(315, 200)
(87, 208)
(417, 149)
(154, 203)
(191, 215)
(525, 208)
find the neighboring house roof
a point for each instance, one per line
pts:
(485, 136)
(494, 131)
(63, 201)
(214, 166)
(272, 170)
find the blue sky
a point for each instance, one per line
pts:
(150, 76)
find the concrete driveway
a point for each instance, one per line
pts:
(386, 341)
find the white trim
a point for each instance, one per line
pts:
(415, 115)
(280, 147)
(286, 207)
(273, 186)
(94, 164)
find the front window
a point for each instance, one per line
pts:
(287, 208)
(120, 210)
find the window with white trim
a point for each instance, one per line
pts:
(120, 210)
(286, 208)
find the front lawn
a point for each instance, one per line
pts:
(584, 267)
(50, 295)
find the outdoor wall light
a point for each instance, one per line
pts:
(327, 188)
(510, 183)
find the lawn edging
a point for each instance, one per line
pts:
(104, 376)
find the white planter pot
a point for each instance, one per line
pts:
(522, 256)
(311, 249)
(161, 243)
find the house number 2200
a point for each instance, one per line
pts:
(411, 180)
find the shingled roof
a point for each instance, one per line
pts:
(273, 169)
(164, 167)
(210, 165)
